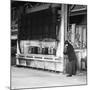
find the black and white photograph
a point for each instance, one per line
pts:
(48, 44)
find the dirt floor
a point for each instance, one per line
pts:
(22, 77)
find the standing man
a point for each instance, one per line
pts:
(72, 60)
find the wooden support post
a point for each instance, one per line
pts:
(66, 21)
(18, 52)
(62, 30)
(66, 24)
(62, 34)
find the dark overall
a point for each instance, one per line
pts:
(71, 66)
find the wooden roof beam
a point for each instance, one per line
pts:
(41, 7)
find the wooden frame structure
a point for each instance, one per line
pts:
(49, 62)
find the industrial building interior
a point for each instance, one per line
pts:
(38, 32)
